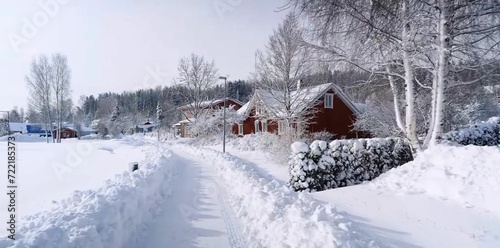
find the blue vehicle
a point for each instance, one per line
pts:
(37, 129)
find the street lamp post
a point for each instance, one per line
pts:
(224, 111)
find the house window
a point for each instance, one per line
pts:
(256, 126)
(240, 129)
(264, 126)
(329, 100)
(281, 126)
(258, 110)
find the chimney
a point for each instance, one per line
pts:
(298, 84)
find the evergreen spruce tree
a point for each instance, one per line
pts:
(115, 126)
(115, 114)
(159, 112)
(159, 117)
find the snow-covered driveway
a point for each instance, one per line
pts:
(196, 214)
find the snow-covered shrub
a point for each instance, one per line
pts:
(212, 123)
(4, 127)
(323, 135)
(276, 146)
(321, 165)
(482, 134)
(253, 142)
(280, 149)
(90, 137)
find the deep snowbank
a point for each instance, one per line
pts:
(469, 175)
(274, 216)
(111, 216)
(49, 173)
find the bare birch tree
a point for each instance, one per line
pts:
(61, 89)
(197, 76)
(49, 86)
(40, 86)
(280, 68)
(467, 43)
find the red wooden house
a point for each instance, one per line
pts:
(182, 127)
(66, 133)
(323, 107)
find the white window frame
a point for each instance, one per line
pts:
(256, 126)
(264, 126)
(240, 129)
(258, 110)
(281, 126)
(329, 100)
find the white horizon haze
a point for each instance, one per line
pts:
(116, 46)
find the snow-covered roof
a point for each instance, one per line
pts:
(183, 121)
(209, 103)
(86, 129)
(245, 109)
(69, 128)
(361, 107)
(17, 126)
(301, 99)
(147, 125)
(492, 88)
(340, 93)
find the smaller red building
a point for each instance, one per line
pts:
(66, 133)
(182, 127)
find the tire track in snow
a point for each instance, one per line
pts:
(232, 224)
(235, 236)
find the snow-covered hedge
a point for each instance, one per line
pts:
(482, 134)
(321, 165)
(114, 215)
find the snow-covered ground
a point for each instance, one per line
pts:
(55, 180)
(468, 175)
(186, 196)
(47, 173)
(447, 197)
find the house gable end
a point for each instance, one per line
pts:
(337, 92)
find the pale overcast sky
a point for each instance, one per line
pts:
(118, 45)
